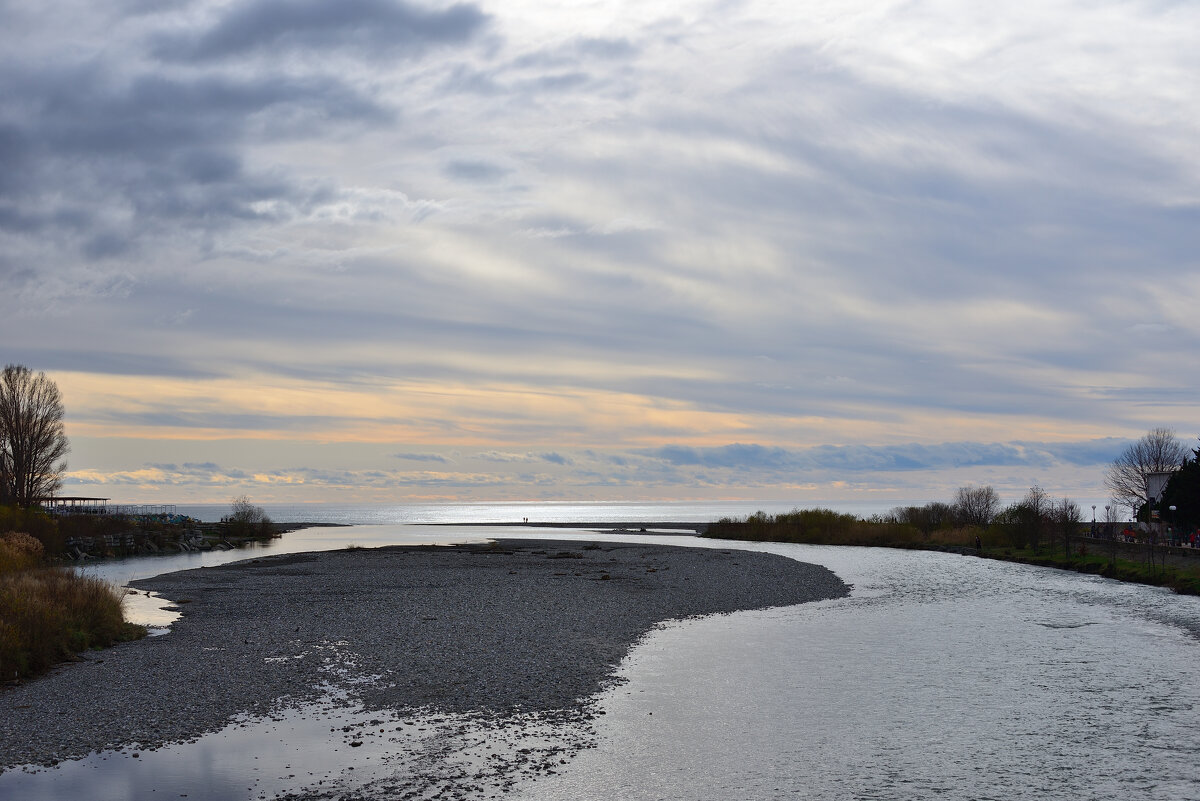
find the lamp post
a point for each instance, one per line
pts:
(1093, 520)
(1171, 530)
(1108, 519)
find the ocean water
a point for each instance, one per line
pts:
(539, 511)
(941, 676)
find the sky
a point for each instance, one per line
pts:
(394, 251)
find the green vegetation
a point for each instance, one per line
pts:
(49, 614)
(1037, 530)
(1183, 580)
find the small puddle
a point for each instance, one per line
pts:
(151, 610)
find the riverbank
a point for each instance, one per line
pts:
(1177, 569)
(1098, 557)
(515, 627)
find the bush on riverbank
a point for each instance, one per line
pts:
(248, 521)
(809, 526)
(827, 527)
(48, 614)
(33, 522)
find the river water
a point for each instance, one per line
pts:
(940, 676)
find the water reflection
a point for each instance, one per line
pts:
(330, 750)
(941, 676)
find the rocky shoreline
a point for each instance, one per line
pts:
(512, 628)
(156, 538)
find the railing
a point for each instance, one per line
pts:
(141, 510)
(120, 509)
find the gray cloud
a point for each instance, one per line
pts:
(105, 163)
(822, 234)
(503, 457)
(221, 420)
(482, 171)
(377, 27)
(84, 360)
(844, 459)
(422, 457)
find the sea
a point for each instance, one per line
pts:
(465, 513)
(538, 511)
(940, 676)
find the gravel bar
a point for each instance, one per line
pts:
(511, 627)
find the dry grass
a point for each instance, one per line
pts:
(49, 614)
(19, 552)
(815, 526)
(826, 527)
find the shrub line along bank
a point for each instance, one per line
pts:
(1010, 540)
(49, 614)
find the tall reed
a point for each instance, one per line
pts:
(49, 614)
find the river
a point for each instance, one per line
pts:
(940, 676)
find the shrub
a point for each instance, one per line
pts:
(19, 551)
(34, 522)
(248, 520)
(816, 526)
(49, 614)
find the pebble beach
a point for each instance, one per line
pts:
(509, 629)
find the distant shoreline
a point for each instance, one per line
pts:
(631, 527)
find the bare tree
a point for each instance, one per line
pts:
(32, 440)
(247, 520)
(1066, 516)
(1159, 451)
(927, 518)
(1034, 509)
(1112, 517)
(976, 506)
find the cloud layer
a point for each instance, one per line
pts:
(718, 245)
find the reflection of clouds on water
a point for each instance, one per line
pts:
(149, 609)
(322, 750)
(948, 676)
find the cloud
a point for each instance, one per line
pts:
(108, 162)
(431, 227)
(189, 474)
(375, 27)
(503, 457)
(481, 171)
(849, 459)
(83, 360)
(1090, 453)
(421, 457)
